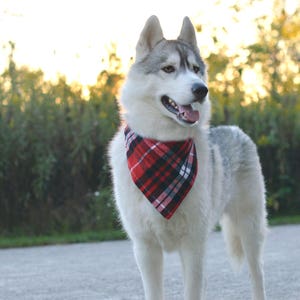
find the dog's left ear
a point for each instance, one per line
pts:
(187, 33)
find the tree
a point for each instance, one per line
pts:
(53, 162)
(270, 114)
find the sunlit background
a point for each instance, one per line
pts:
(74, 37)
(62, 64)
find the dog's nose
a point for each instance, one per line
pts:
(199, 90)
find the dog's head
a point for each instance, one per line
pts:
(167, 83)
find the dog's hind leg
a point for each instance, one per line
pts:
(244, 225)
(252, 243)
(149, 258)
(253, 227)
(244, 238)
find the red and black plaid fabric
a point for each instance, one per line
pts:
(164, 171)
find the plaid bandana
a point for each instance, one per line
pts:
(164, 171)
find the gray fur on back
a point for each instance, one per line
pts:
(237, 150)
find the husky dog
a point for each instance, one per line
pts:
(170, 199)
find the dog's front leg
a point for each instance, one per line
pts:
(149, 258)
(192, 255)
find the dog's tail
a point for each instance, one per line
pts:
(233, 242)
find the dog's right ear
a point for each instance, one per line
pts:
(150, 36)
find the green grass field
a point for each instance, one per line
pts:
(85, 237)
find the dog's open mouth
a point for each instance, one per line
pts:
(184, 113)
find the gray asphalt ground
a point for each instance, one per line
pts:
(107, 271)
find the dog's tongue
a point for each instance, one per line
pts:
(188, 114)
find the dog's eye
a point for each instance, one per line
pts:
(169, 69)
(196, 69)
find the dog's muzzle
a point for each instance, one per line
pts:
(186, 113)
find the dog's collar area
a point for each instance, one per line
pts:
(184, 113)
(163, 171)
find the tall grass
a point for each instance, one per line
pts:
(53, 164)
(54, 174)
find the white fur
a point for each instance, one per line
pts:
(229, 185)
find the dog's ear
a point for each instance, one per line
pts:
(187, 33)
(150, 36)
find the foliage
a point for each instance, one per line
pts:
(53, 141)
(53, 165)
(270, 111)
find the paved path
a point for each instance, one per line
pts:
(107, 271)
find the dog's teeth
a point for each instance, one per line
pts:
(172, 103)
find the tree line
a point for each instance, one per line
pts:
(54, 174)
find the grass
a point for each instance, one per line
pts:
(284, 220)
(55, 239)
(93, 236)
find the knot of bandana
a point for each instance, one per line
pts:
(164, 171)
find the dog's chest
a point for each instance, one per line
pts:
(141, 219)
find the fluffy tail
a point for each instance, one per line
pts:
(233, 242)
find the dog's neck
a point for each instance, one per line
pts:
(147, 157)
(161, 130)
